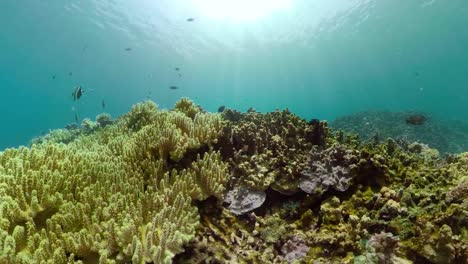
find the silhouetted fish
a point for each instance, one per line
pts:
(416, 120)
(173, 87)
(77, 93)
(53, 77)
(70, 73)
(190, 19)
(103, 104)
(221, 109)
(76, 118)
(177, 69)
(128, 49)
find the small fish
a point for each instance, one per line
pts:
(103, 104)
(77, 93)
(190, 19)
(177, 68)
(128, 49)
(173, 87)
(221, 109)
(76, 118)
(70, 73)
(416, 120)
(416, 74)
(180, 75)
(53, 77)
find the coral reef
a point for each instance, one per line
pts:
(111, 196)
(328, 168)
(445, 136)
(242, 200)
(187, 186)
(269, 150)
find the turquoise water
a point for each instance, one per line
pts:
(319, 58)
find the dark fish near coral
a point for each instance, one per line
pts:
(416, 120)
(128, 49)
(77, 93)
(76, 118)
(173, 87)
(103, 104)
(190, 19)
(221, 109)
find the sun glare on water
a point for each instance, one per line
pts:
(240, 10)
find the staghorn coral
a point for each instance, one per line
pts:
(110, 196)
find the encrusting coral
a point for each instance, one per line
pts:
(113, 196)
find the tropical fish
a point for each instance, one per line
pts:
(173, 87)
(190, 19)
(416, 120)
(221, 109)
(77, 93)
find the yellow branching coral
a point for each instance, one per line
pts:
(188, 107)
(113, 196)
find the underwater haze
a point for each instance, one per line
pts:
(319, 58)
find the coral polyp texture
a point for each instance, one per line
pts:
(188, 186)
(114, 196)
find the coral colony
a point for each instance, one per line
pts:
(188, 186)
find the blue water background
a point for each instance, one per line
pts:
(319, 58)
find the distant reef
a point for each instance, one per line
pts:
(188, 186)
(445, 136)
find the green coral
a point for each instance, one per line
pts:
(269, 150)
(127, 193)
(112, 196)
